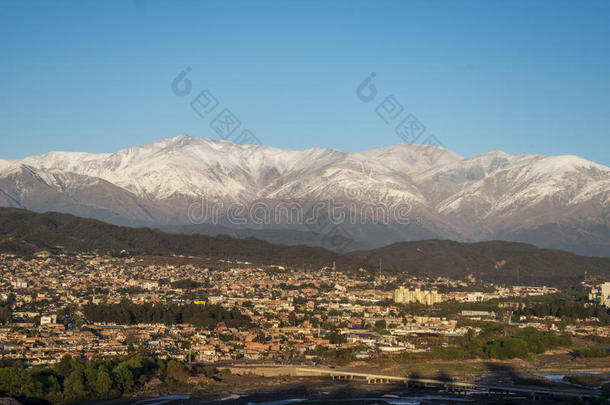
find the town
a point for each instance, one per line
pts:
(88, 305)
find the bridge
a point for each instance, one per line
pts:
(459, 387)
(532, 391)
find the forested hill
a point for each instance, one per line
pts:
(24, 233)
(503, 262)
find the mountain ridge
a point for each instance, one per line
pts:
(484, 197)
(26, 233)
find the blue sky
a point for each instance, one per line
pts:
(523, 77)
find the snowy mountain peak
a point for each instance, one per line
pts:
(189, 165)
(4, 163)
(489, 195)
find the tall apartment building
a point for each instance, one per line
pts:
(601, 294)
(427, 297)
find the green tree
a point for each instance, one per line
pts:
(292, 319)
(381, 324)
(90, 375)
(336, 338)
(123, 378)
(103, 383)
(74, 386)
(64, 366)
(52, 389)
(177, 371)
(16, 382)
(514, 347)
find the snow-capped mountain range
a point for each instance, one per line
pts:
(551, 201)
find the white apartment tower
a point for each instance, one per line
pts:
(426, 297)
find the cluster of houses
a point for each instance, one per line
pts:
(292, 312)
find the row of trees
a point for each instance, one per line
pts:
(129, 313)
(565, 308)
(594, 351)
(336, 356)
(526, 342)
(491, 344)
(75, 380)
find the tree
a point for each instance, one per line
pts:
(91, 375)
(292, 319)
(74, 386)
(209, 371)
(64, 366)
(103, 383)
(52, 389)
(123, 378)
(177, 371)
(334, 312)
(16, 382)
(5, 314)
(336, 338)
(381, 324)
(514, 347)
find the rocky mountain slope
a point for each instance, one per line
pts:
(402, 192)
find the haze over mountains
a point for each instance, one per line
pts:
(550, 201)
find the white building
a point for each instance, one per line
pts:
(476, 296)
(19, 284)
(48, 319)
(426, 297)
(601, 294)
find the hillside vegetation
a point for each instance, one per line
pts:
(25, 233)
